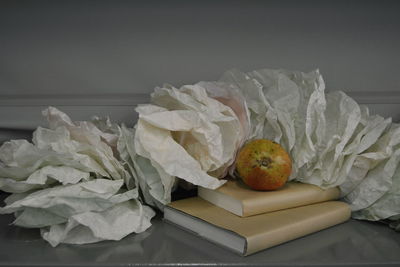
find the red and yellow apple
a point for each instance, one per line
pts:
(263, 165)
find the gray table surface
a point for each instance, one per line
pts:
(348, 244)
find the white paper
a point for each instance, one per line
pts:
(332, 140)
(111, 224)
(187, 134)
(69, 183)
(145, 175)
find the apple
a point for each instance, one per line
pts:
(263, 165)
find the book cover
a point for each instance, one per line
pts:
(247, 235)
(239, 199)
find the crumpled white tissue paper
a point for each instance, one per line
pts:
(332, 140)
(69, 183)
(186, 134)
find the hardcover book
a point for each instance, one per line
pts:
(247, 235)
(239, 199)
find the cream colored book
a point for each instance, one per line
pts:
(239, 199)
(247, 235)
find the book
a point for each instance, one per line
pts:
(239, 199)
(247, 235)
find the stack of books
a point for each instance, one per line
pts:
(247, 221)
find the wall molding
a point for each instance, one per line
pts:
(23, 112)
(73, 99)
(375, 97)
(371, 97)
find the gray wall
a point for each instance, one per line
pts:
(104, 57)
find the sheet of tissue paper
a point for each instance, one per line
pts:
(332, 140)
(184, 133)
(69, 183)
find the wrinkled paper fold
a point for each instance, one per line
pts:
(69, 183)
(332, 140)
(186, 134)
